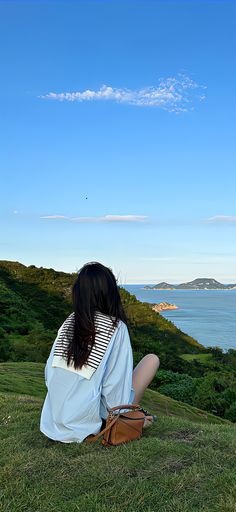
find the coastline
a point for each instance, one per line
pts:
(206, 315)
(187, 289)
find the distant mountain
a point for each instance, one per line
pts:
(161, 286)
(201, 283)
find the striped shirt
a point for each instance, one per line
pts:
(104, 328)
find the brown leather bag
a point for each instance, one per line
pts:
(121, 427)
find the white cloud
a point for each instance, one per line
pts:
(104, 218)
(174, 94)
(167, 258)
(222, 218)
(192, 259)
(53, 217)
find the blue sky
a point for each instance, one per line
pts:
(118, 137)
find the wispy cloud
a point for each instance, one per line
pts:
(222, 219)
(157, 258)
(174, 94)
(104, 218)
(192, 259)
(54, 217)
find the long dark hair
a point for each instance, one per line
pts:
(94, 289)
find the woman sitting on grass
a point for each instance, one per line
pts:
(90, 366)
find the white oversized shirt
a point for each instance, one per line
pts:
(74, 406)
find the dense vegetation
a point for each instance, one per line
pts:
(185, 462)
(35, 301)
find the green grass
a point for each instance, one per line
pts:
(184, 462)
(23, 378)
(202, 358)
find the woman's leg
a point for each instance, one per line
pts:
(143, 374)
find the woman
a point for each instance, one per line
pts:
(90, 366)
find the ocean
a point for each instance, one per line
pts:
(209, 316)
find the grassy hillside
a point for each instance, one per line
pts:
(185, 462)
(28, 379)
(35, 301)
(202, 358)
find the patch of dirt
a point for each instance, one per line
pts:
(177, 465)
(25, 399)
(182, 435)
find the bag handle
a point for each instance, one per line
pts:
(124, 406)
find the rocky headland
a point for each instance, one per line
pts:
(161, 306)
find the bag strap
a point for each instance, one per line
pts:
(94, 438)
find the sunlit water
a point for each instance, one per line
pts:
(209, 316)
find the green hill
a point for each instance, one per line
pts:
(184, 462)
(30, 294)
(34, 301)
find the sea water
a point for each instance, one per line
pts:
(209, 316)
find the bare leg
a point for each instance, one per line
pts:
(143, 374)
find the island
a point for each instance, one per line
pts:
(160, 286)
(161, 306)
(203, 283)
